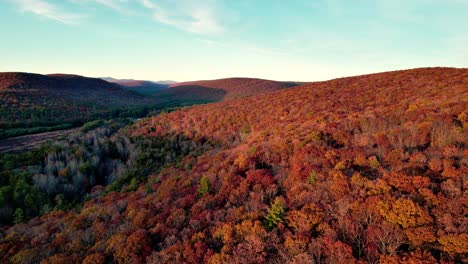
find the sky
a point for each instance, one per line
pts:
(182, 40)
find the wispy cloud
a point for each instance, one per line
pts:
(199, 17)
(47, 10)
(148, 4)
(117, 5)
(188, 15)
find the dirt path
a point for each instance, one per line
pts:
(28, 142)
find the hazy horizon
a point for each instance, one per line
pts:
(194, 40)
(226, 77)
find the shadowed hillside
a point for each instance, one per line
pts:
(32, 102)
(62, 86)
(139, 86)
(354, 170)
(239, 87)
(194, 93)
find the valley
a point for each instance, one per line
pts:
(28, 142)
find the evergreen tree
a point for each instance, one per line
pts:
(276, 215)
(204, 186)
(312, 177)
(18, 216)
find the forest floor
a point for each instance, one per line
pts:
(27, 142)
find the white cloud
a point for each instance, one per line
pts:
(188, 15)
(148, 4)
(199, 17)
(114, 4)
(117, 5)
(45, 9)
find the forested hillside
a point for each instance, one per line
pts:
(31, 103)
(236, 87)
(139, 86)
(367, 169)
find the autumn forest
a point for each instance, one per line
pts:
(365, 169)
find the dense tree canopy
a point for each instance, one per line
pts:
(363, 169)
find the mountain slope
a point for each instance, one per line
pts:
(139, 86)
(192, 93)
(31, 100)
(71, 87)
(238, 87)
(362, 169)
(32, 103)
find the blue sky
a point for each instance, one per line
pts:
(301, 40)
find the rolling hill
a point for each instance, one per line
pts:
(68, 87)
(139, 86)
(192, 93)
(366, 169)
(32, 103)
(32, 100)
(236, 87)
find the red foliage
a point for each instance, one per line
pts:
(369, 168)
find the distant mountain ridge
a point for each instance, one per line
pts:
(67, 86)
(238, 87)
(140, 86)
(131, 82)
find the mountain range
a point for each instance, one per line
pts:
(237, 87)
(140, 86)
(33, 103)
